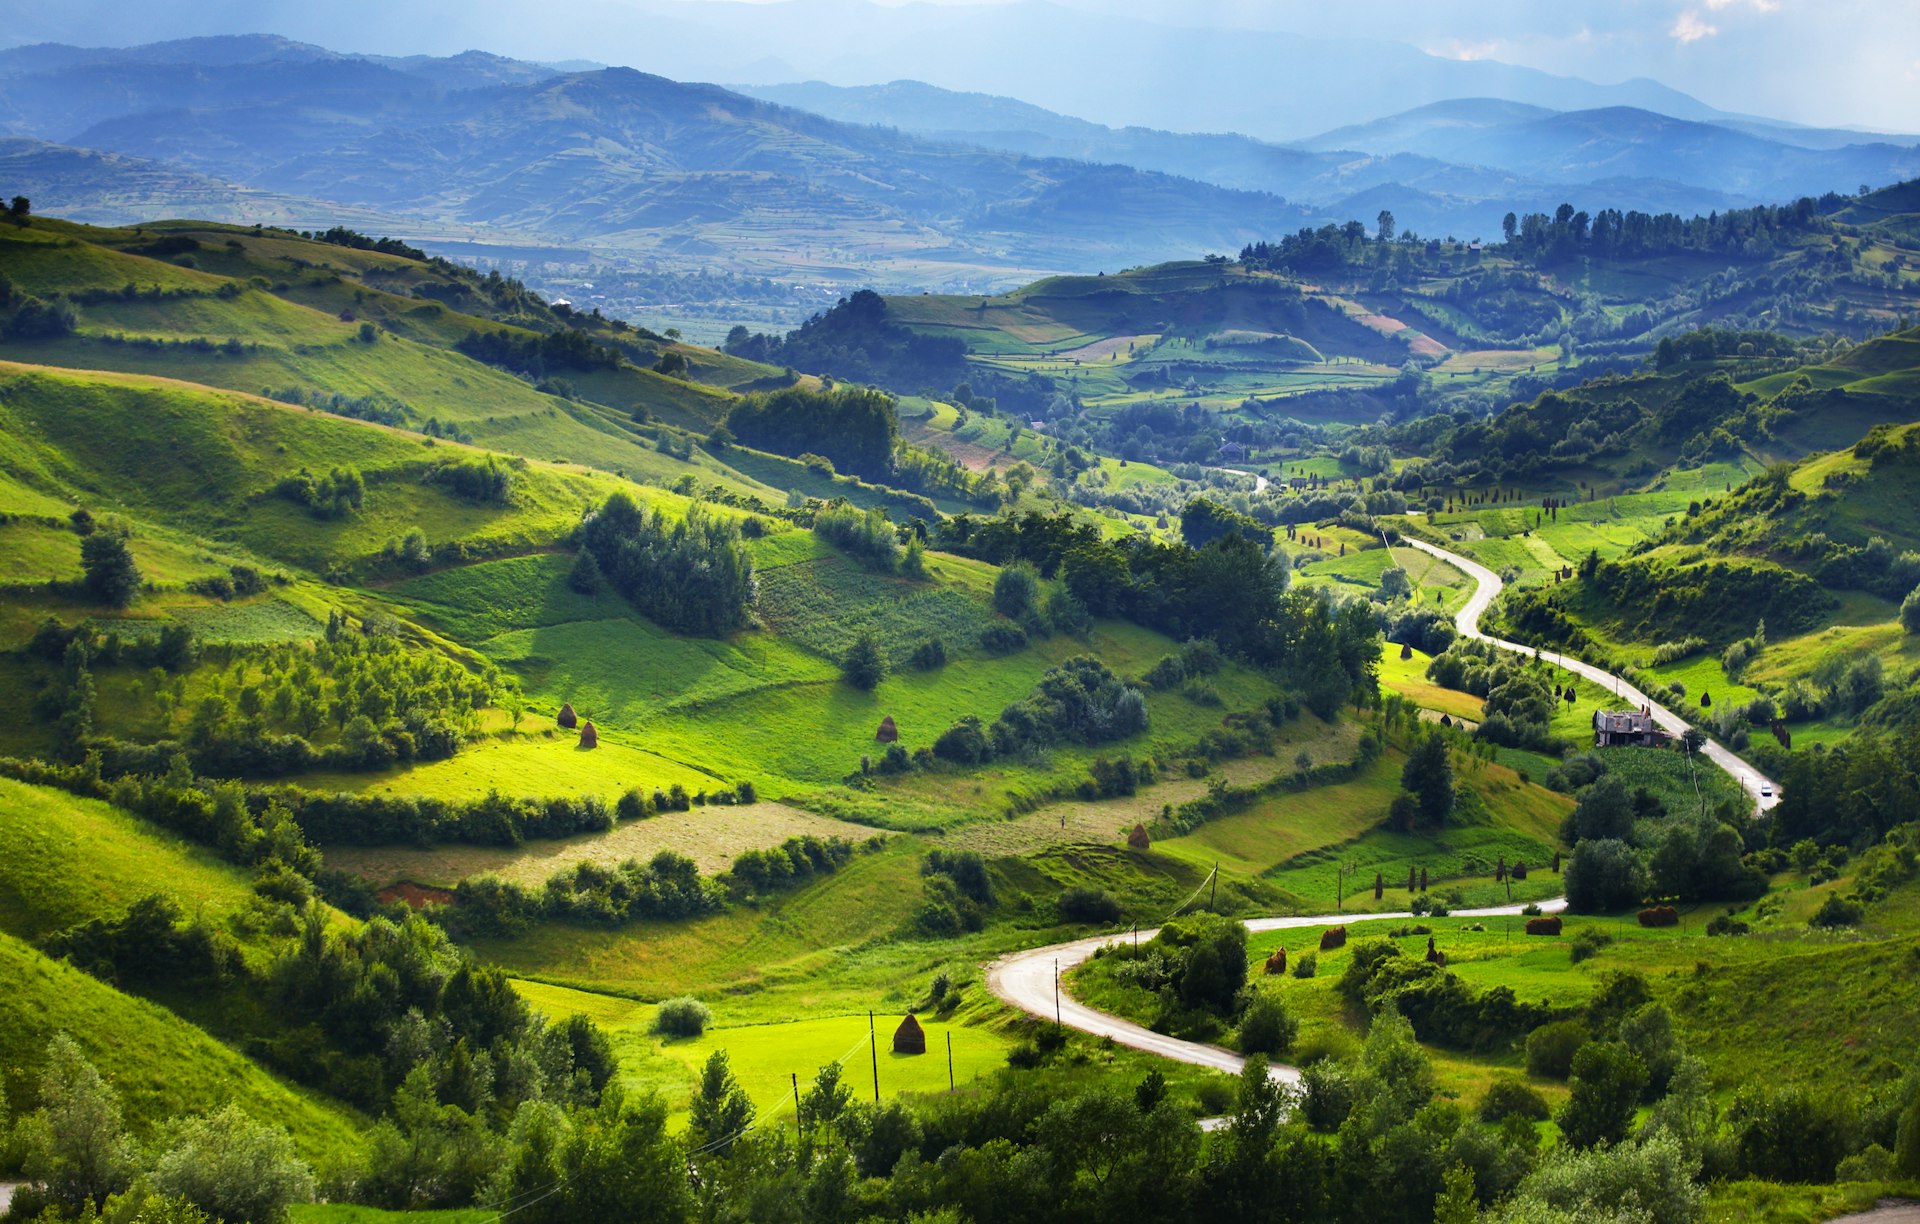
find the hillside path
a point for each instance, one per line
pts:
(1764, 791)
(1026, 980)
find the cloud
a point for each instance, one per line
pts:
(1456, 49)
(1689, 28)
(1758, 6)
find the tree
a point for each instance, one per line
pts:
(1604, 874)
(1428, 776)
(1910, 611)
(20, 207)
(107, 561)
(1509, 226)
(75, 1144)
(1604, 810)
(721, 1109)
(233, 1167)
(1385, 233)
(585, 575)
(1606, 1085)
(864, 667)
(1015, 589)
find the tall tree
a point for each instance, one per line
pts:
(107, 561)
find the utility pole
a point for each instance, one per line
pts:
(1056, 994)
(873, 1048)
(1214, 895)
(798, 1124)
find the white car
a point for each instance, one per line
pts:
(1766, 791)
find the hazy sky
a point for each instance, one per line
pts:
(1830, 62)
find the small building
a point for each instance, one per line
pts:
(1232, 452)
(1626, 728)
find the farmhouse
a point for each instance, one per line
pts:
(1232, 452)
(1618, 728)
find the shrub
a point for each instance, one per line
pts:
(929, 654)
(1837, 911)
(1003, 639)
(1307, 965)
(1267, 1027)
(1586, 943)
(233, 1167)
(682, 1017)
(1660, 916)
(1607, 1081)
(1791, 1134)
(1087, 904)
(1015, 590)
(863, 666)
(1548, 925)
(1513, 1098)
(1551, 1047)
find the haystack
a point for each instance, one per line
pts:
(1138, 838)
(1277, 963)
(589, 738)
(1406, 650)
(909, 1038)
(888, 733)
(568, 718)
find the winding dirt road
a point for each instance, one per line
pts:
(1764, 791)
(1027, 980)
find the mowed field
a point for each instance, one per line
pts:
(711, 836)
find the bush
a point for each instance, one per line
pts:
(1604, 874)
(1586, 943)
(1003, 639)
(1513, 1098)
(1837, 911)
(1087, 904)
(1307, 965)
(863, 666)
(1015, 590)
(1791, 1134)
(929, 654)
(233, 1167)
(1267, 1027)
(682, 1017)
(1551, 1047)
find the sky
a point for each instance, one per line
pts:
(1840, 63)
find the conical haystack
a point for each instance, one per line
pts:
(1138, 838)
(909, 1038)
(589, 738)
(567, 718)
(888, 733)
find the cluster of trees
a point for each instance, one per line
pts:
(369, 819)
(1611, 234)
(857, 340)
(537, 354)
(337, 494)
(1849, 794)
(1627, 846)
(340, 235)
(1231, 591)
(1196, 969)
(486, 481)
(667, 886)
(1519, 703)
(857, 428)
(869, 537)
(956, 892)
(694, 575)
(1078, 702)
(792, 862)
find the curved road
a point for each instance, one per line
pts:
(1030, 980)
(1026, 980)
(1764, 791)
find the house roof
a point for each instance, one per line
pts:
(1623, 722)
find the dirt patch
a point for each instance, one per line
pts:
(418, 896)
(1386, 325)
(1100, 350)
(1427, 346)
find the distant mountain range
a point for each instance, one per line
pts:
(904, 185)
(1116, 67)
(1453, 166)
(613, 158)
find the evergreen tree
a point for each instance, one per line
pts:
(585, 575)
(1428, 776)
(864, 667)
(107, 561)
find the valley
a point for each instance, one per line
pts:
(1044, 690)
